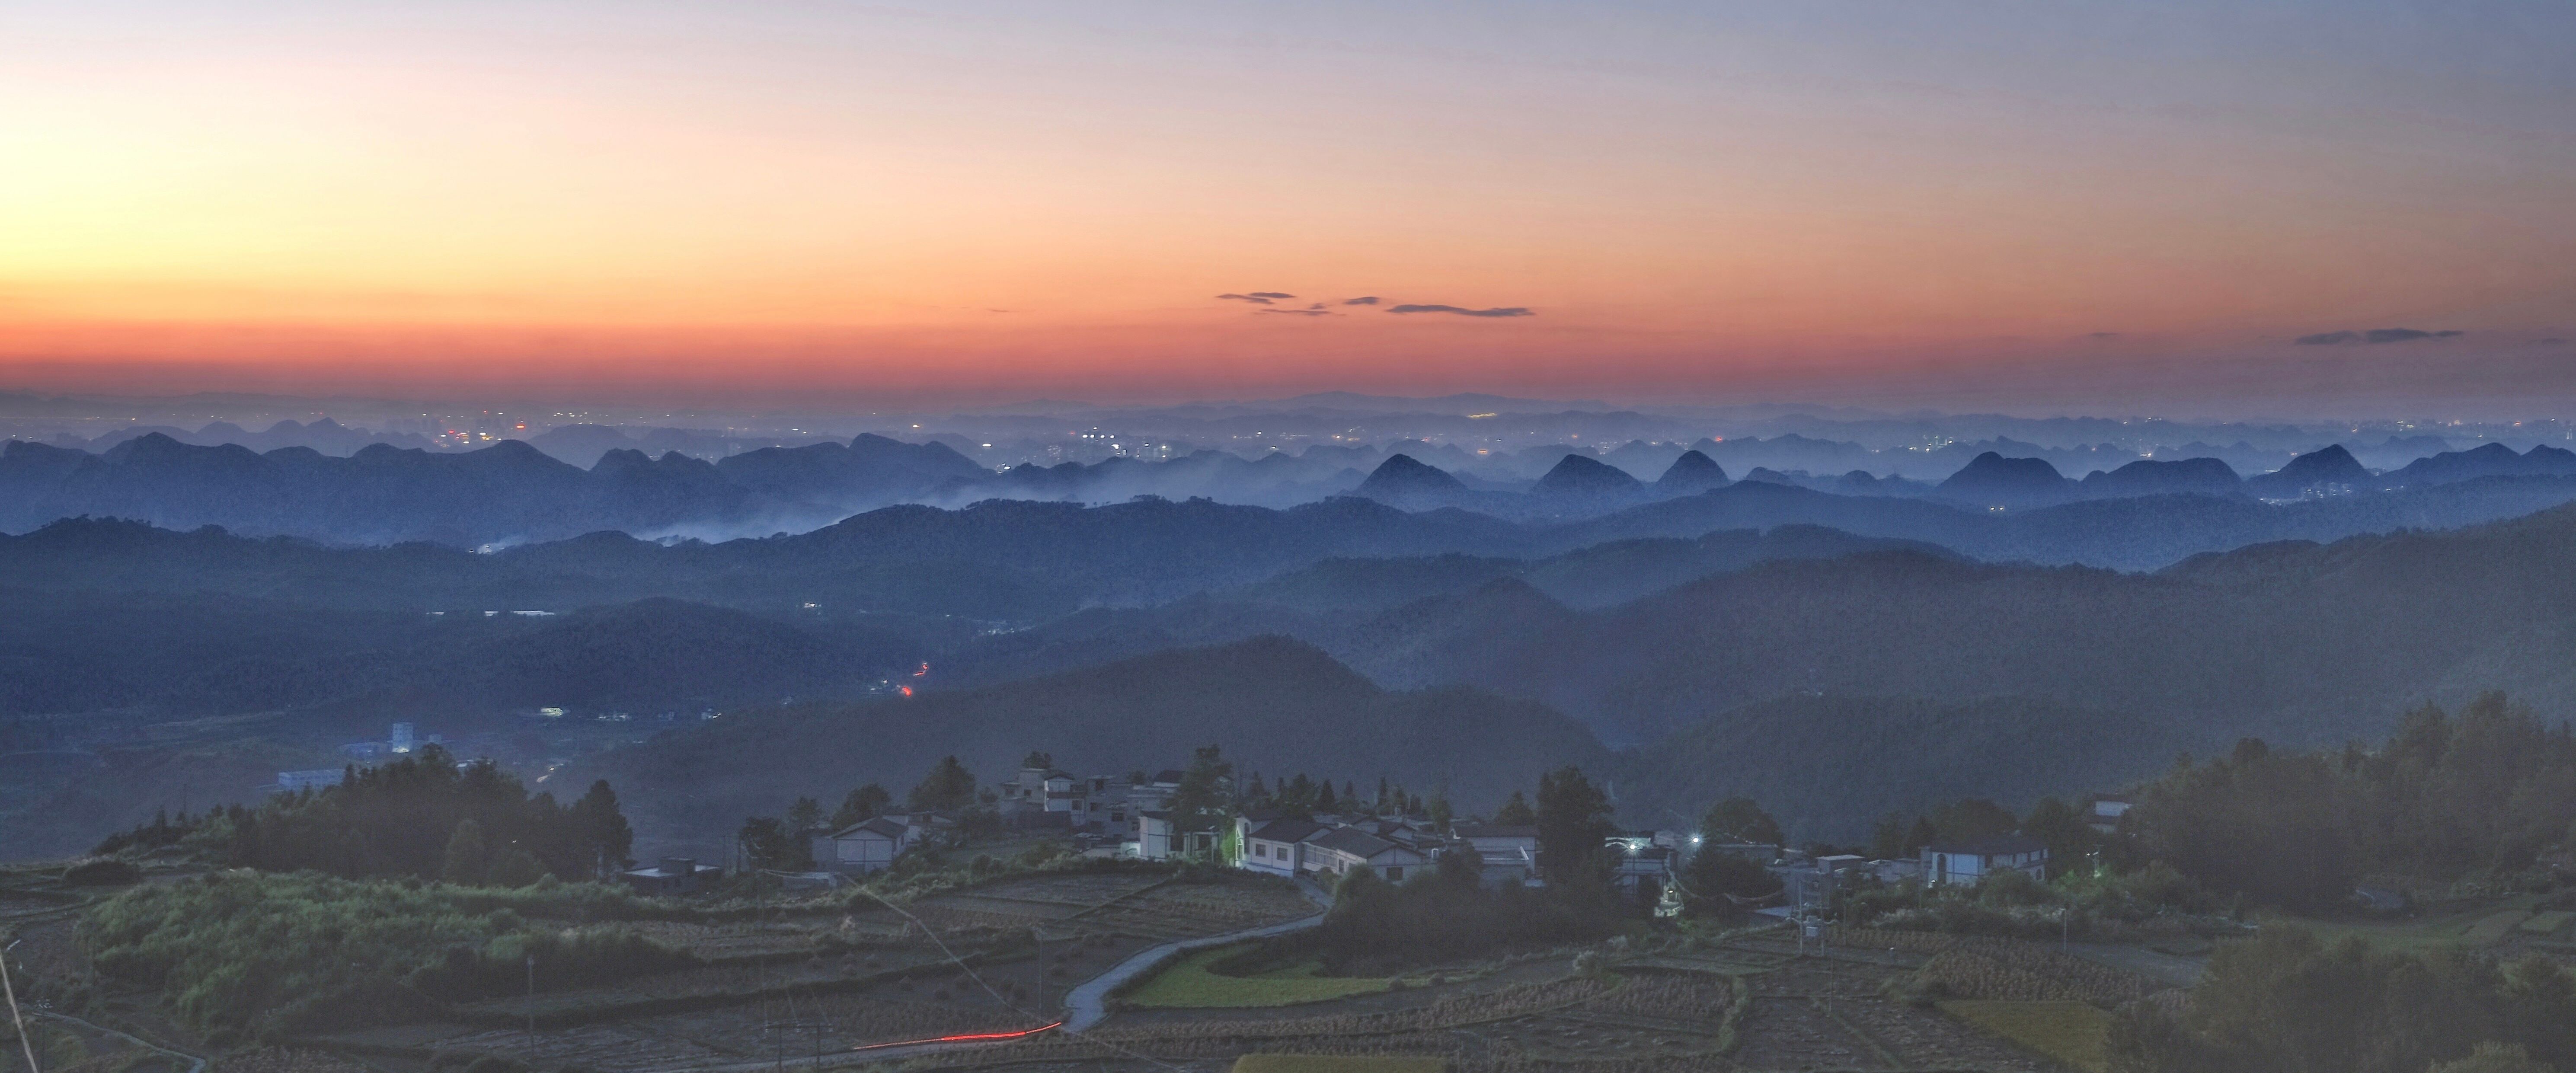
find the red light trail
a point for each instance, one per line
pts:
(972, 1037)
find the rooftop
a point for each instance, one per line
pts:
(882, 825)
(1997, 846)
(1287, 830)
(1353, 841)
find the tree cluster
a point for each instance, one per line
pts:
(1444, 913)
(423, 816)
(1304, 795)
(2488, 789)
(2284, 1001)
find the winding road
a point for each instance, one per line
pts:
(1088, 1003)
(1085, 1006)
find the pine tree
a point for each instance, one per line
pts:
(602, 830)
(805, 814)
(1573, 822)
(465, 854)
(948, 786)
(516, 867)
(860, 805)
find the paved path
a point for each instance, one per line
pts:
(1085, 1006)
(195, 1064)
(1088, 1003)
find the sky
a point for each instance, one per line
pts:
(2100, 206)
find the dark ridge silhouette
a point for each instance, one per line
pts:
(2323, 468)
(2486, 460)
(1990, 479)
(1580, 476)
(1401, 475)
(1691, 474)
(2147, 477)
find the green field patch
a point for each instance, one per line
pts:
(2441, 931)
(1320, 1063)
(2549, 923)
(2070, 1032)
(2492, 928)
(1193, 982)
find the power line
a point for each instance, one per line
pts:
(1007, 1004)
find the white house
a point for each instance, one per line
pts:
(865, 846)
(2107, 812)
(1973, 860)
(1506, 854)
(1157, 837)
(1342, 849)
(1279, 846)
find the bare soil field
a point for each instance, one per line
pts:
(814, 983)
(824, 978)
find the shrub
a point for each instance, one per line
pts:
(102, 872)
(251, 951)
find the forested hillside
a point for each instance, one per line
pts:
(1828, 766)
(1274, 706)
(2300, 642)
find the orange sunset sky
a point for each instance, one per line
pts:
(990, 201)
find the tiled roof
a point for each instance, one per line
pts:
(1287, 830)
(1997, 846)
(1355, 842)
(882, 825)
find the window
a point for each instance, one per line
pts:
(1259, 850)
(1394, 873)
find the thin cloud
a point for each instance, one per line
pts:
(1261, 299)
(1300, 312)
(2375, 336)
(1364, 300)
(1497, 311)
(2403, 335)
(1272, 294)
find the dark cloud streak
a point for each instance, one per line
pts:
(1497, 311)
(2374, 336)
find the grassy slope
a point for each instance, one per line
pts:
(2070, 1032)
(1190, 983)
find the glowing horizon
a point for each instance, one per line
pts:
(993, 200)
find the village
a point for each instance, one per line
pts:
(1183, 917)
(1134, 817)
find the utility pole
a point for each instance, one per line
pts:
(532, 1009)
(11, 990)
